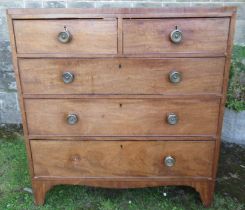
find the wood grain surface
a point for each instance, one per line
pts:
(121, 159)
(121, 117)
(92, 36)
(142, 36)
(122, 76)
(121, 94)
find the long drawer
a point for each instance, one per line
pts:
(199, 35)
(122, 117)
(89, 36)
(122, 159)
(122, 76)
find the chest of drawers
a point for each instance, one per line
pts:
(122, 98)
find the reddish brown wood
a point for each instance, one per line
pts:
(125, 159)
(20, 96)
(122, 76)
(167, 12)
(148, 55)
(129, 138)
(224, 90)
(202, 186)
(132, 102)
(120, 96)
(120, 36)
(40, 36)
(121, 117)
(40, 189)
(143, 36)
(206, 191)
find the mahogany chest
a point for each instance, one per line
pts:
(122, 98)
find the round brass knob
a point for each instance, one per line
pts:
(176, 36)
(72, 119)
(169, 161)
(175, 76)
(172, 119)
(67, 77)
(64, 36)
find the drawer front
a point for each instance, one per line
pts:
(121, 117)
(93, 36)
(124, 159)
(199, 35)
(122, 76)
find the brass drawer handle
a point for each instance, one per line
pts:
(172, 119)
(64, 36)
(169, 161)
(176, 35)
(67, 77)
(175, 77)
(72, 119)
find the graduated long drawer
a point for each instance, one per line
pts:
(121, 159)
(122, 117)
(122, 76)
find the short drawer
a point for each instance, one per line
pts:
(122, 159)
(199, 35)
(122, 76)
(86, 36)
(122, 117)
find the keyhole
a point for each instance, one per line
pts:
(120, 66)
(121, 146)
(120, 105)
